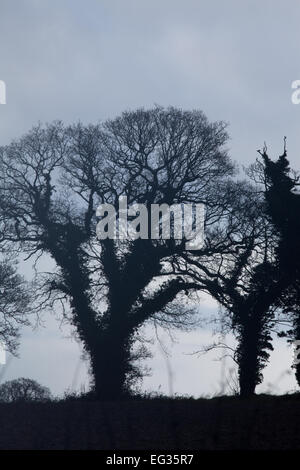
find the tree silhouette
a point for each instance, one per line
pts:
(283, 207)
(54, 178)
(23, 390)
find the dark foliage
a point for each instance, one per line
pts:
(283, 207)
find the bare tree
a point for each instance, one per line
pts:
(23, 390)
(54, 178)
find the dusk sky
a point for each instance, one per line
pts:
(89, 61)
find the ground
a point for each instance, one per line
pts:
(231, 423)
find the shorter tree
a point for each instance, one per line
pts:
(23, 390)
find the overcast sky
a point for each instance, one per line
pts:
(71, 60)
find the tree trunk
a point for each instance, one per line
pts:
(247, 377)
(248, 358)
(110, 362)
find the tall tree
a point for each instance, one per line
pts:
(283, 205)
(54, 178)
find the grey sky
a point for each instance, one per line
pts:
(71, 60)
